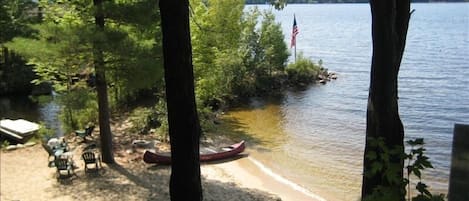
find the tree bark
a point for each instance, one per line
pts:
(390, 20)
(184, 128)
(101, 87)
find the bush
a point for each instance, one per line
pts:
(303, 71)
(140, 119)
(206, 118)
(44, 132)
(80, 107)
(161, 112)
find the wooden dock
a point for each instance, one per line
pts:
(19, 130)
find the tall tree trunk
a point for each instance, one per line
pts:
(101, 87)
(184, 128)
(390, 20)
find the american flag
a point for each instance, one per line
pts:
(294, 33)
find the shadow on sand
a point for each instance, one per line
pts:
(140, 181)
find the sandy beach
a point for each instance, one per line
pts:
(25, 175)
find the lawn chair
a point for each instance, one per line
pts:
(51, 153)
(64, 164)
(90, 158)
(84, 133)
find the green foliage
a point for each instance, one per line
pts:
(44, 132)
(215, 31)
(14, 17)
(416, 163)
(272, 43)
(15, 74)
(5, 144)
(80, 107)
(206, 119)
(140, 118)
(381, 164)
(381, 161)
(145, 119)
(162, 132)
(382, 193)
(234, 56)
(61, 52)
(303, 70)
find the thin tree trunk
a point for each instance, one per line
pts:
(101, 88)
(5, 56)
(184, 128)
(390, 21)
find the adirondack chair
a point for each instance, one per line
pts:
(84, 133)
(63, 164)
(91, 158)
(51, 153)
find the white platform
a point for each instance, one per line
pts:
(18, 129)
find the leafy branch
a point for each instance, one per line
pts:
(416, 163)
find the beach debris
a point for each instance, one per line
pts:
(144, 144)
(30, 144)
(11, 147)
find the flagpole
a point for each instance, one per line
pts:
(295, 53)
(294, 24)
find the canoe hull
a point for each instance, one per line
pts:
(165, 158)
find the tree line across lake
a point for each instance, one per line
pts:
(340, 1)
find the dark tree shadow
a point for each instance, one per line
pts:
(234, 129)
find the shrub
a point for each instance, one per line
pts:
(140, 119)
(161, 112)
(303, 70)
(80, 107)
(44, 132)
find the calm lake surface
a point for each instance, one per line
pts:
(316, 137)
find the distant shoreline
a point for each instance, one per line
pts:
(254, 2)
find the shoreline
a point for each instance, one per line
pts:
(24, 175)
(250, 173)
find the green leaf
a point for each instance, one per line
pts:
(418, 141)
(420, 197)
(417, 172)
(406, 181)
(371, 155)
(440, 197)
(422, 188)
(376, 167)
(427, 164)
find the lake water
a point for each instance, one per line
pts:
(22, 107)
(316, 137)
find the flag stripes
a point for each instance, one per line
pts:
(295, 32)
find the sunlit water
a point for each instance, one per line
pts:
(22, 107)
(316, 137)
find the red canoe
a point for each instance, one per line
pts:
(209, 155)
